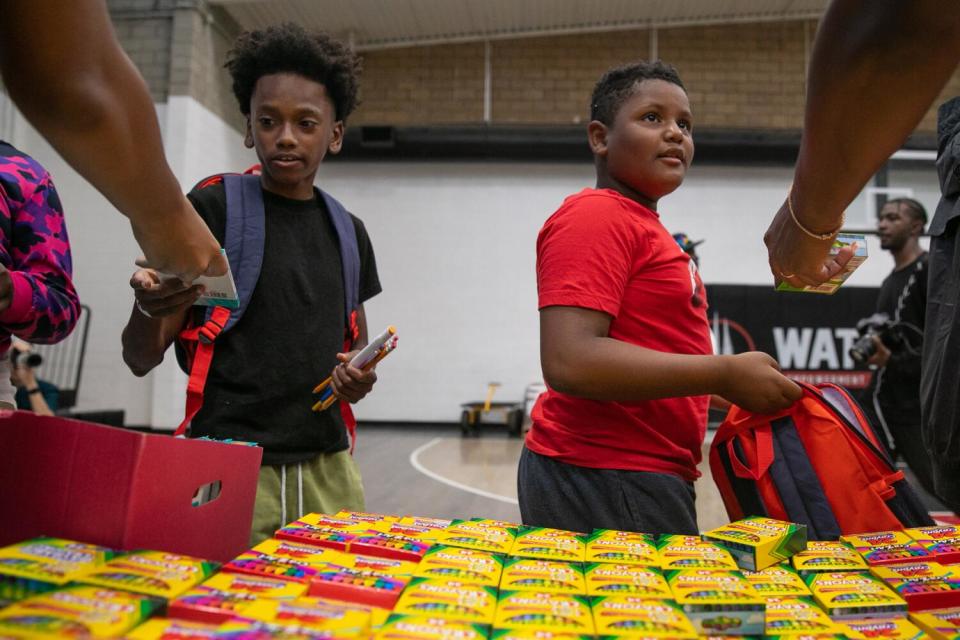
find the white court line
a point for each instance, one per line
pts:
(415, 462)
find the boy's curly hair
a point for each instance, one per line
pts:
(619, 83)
(289, 48)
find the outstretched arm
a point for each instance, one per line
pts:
(579, 359)
(63, 67)
(877, 66)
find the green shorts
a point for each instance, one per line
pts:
(328, 483)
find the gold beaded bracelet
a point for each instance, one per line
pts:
(817, 236)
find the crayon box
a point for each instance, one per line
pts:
(943, 542)
(887, 547)
(718, 602)
(855, 594)
(924, 585)
(646, 617)
(757, 543)
(44, 564)
(830, 286)
(939, 625)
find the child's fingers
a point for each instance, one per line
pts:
(144, 279)
(157, 304)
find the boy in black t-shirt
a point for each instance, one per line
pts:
(296, 90)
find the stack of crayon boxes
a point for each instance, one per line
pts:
(358, 575)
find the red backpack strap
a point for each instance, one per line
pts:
(204, 337)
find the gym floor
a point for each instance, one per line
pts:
(434, 471)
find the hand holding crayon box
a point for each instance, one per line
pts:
(366, 359)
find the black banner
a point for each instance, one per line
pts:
(809, 334)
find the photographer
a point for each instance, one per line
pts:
(893, 338)
(33, 394)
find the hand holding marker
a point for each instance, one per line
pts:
(370, 355)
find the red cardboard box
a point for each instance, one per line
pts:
(123, 489)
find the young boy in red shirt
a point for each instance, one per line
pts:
(624, 339)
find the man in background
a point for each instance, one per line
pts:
(898, 343)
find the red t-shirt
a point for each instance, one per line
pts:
(603, 251)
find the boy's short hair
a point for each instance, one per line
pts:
(289, 48)
(619, 83)
(913, 207)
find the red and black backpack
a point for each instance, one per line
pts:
(819, 463)
(243, 241)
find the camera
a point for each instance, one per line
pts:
(880, 325)
(31, 359)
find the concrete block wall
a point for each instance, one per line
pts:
(441, 84)
(180, 46)
(746, 76)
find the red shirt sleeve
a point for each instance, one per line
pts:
(586, 252)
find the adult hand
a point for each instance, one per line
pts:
(180, 245)
(881, 356)
(157, 297)
(349, 383)
(799, 259)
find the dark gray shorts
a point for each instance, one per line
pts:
(564, 496)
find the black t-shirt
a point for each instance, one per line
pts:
(260, 385)
(903, 296)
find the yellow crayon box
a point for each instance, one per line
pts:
(368, 587)
(401, 627)
(854, 594)
(319, 536)
(924, 585)
(253, 630)
(153, 573)
(391, 541)
(621, 547)
(536, 634)
(331, 522)
(939, 625)
(679, 552)
(548, 544)
(425, 532)
(636, 616)
(718, 601)
(797, 636)
(448, 599)
(79, 611)
(791, 616)
(173, 629)
(605, 579)
(430, 523)
(543, 611)
(757, 543)
(299, 552)
(827, 557)
(943, 542)
(892, 628)
(281, 568)
(887, 547)
(859, 243)
(478, 534)
(777, 582)
(315, 556)
(465, 565)
(337, 617)
(362, 516)
(43, 564)
(529, 574)
(225, 595)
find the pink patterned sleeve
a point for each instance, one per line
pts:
(36, 251)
